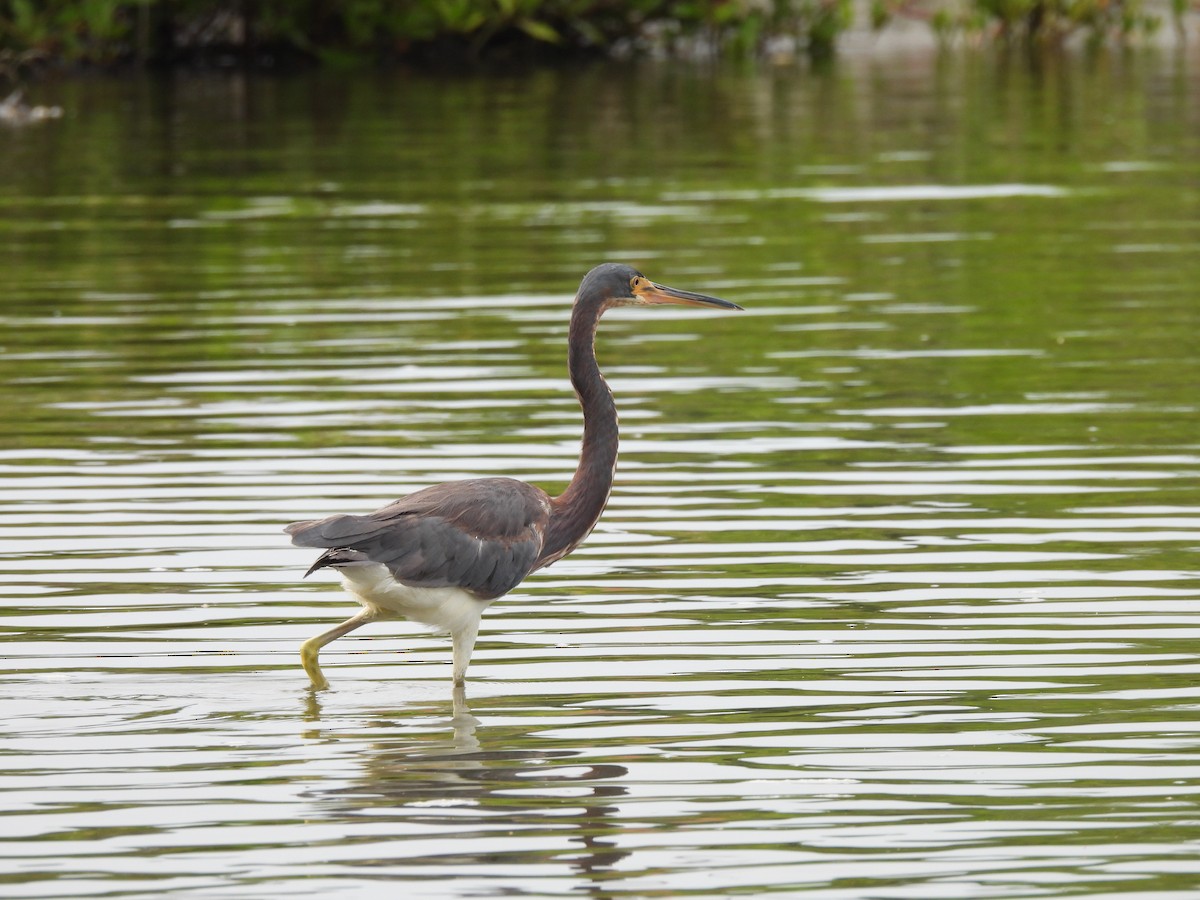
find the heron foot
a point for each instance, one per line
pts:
(309, 651)
(310, 648)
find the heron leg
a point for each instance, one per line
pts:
(312, 647)
(464, 644)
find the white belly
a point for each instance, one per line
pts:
(445, 608)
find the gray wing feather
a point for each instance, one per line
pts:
(483, 535)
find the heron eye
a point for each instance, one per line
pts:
(635, 282)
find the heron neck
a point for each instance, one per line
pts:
(575, 512)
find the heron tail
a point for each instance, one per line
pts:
(337, 557)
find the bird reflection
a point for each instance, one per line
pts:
(508, 777)
(15, 112)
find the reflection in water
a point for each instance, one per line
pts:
(902, 604)
(474, 777)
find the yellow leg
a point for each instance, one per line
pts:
(311, 648)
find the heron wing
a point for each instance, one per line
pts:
(482, 535)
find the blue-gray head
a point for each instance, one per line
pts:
(617, 284)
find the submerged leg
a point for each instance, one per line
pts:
(464, 644)
(312, 647)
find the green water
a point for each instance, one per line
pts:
(897, 595)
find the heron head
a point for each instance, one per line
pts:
(616, 284)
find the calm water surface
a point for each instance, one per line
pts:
(898, 594)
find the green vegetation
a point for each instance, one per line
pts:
(109, 32)
(1053, 20)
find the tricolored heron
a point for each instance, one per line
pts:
(442, 555)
